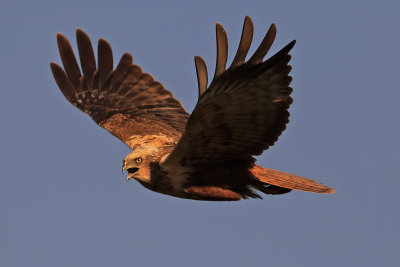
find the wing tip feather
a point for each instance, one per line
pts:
(53, 64)
(80, 31)
(202, 75)
(127, 58)
(82, 36)
(62, 39)
(222, 49)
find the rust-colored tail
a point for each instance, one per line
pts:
(290, 181)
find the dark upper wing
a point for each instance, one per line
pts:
(245, 108)
(126, 102)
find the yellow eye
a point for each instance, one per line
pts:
(138, 160)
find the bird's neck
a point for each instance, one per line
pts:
(157, 141)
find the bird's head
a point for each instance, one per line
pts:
(137, 163)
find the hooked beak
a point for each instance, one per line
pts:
(131, 171)
(123, 168)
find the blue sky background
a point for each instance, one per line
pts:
(64, 201)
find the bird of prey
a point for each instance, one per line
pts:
(207, 155)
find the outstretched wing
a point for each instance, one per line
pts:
(126, 102)
(243, 111)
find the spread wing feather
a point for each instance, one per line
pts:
(126, 102)
(245, 108)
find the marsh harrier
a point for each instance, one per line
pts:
(207, 155)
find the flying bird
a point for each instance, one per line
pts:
(208, 155)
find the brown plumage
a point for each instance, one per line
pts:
(209, 154)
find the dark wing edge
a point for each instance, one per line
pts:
(245, 108)
(127, 102)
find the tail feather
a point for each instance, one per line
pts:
(290, 181)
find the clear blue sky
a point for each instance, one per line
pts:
(64, 201)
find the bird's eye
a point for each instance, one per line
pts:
(138, 160)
